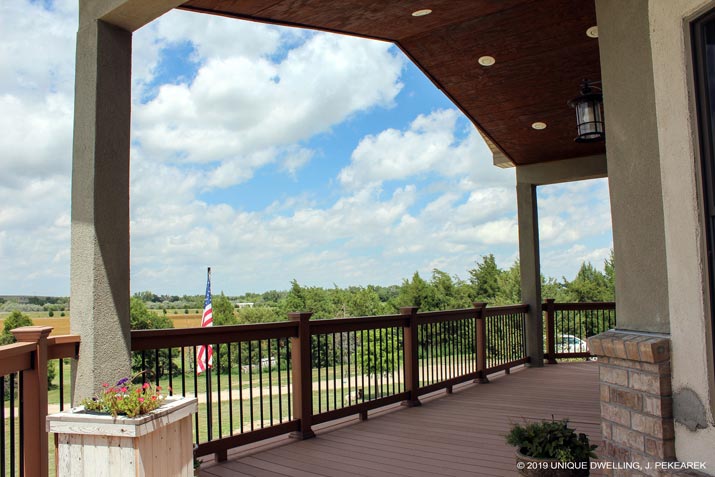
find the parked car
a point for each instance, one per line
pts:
(570, 344)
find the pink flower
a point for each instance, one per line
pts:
(141, 399)
(146, 385)
(124, 389)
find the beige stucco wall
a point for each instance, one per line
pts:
(683, 216)
(633, 165)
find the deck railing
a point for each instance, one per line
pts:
(271, 379)
(275, 378)
(24, 390)
(569, 325)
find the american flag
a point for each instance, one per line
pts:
(204, 355)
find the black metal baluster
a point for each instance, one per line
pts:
(250, 382)
(342, 369)
(240, 386)
(218, 390)
(375, 364)
(196, 393)
(171, 370)
(393, 357)
(362, 363)
(280, 381)
(381, 362)
(183, 372)
(260, 380)
(209, 404)
(270, 382)
(327, 375)
(335, 372)
(288, 373)
(320, 365)
(349, 370)
(156, 367)
(62, 385)
(143, 370)
(230, 388)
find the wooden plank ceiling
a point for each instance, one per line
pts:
(541, 49)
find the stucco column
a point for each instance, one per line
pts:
(530, 270)
(633, 156)
(100, 206)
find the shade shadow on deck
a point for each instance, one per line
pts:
(455, 435)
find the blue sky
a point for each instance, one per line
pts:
(268, 154)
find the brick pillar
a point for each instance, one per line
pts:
(636, 399)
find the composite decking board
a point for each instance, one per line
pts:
(457, 435)
(414, 459)
(340, 462)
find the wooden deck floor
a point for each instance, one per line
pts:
(453, 435)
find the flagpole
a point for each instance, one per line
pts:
(209, 404)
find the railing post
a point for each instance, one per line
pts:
(551, 330)
(34, 398)
(302, 376)
(481, 339)
(412, 371)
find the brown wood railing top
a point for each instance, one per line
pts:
(340, 325)
(16, 357)
(506, 310)
(586, 306)
(177, 337)
(63, 346)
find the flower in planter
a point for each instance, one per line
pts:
(125, 398)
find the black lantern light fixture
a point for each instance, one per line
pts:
(589, 113)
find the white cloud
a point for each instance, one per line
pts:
(255, 96)
(243, 111)
(430, 146)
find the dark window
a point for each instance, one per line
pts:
(703, 39)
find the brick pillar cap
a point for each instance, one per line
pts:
(651, 348)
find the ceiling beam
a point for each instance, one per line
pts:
(130, 15)
(565, 170)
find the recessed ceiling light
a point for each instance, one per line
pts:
(592, 32)
(421, 13)
(538, 125)
(487, 60)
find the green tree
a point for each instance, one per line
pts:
(260, 314)
(223, 311)
(365, 302)
(16, 319)
(609, 271)
(509, 286)
(416, 292)
(485, 279)
(141, 318)
(589, 285)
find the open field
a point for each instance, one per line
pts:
(61, 325)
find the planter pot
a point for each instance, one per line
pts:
(156, 443)
(533, 467)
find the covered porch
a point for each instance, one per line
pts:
(455, 434)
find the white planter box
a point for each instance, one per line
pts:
(153, 444)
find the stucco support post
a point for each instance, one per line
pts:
(100, 206)
(530, 270)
